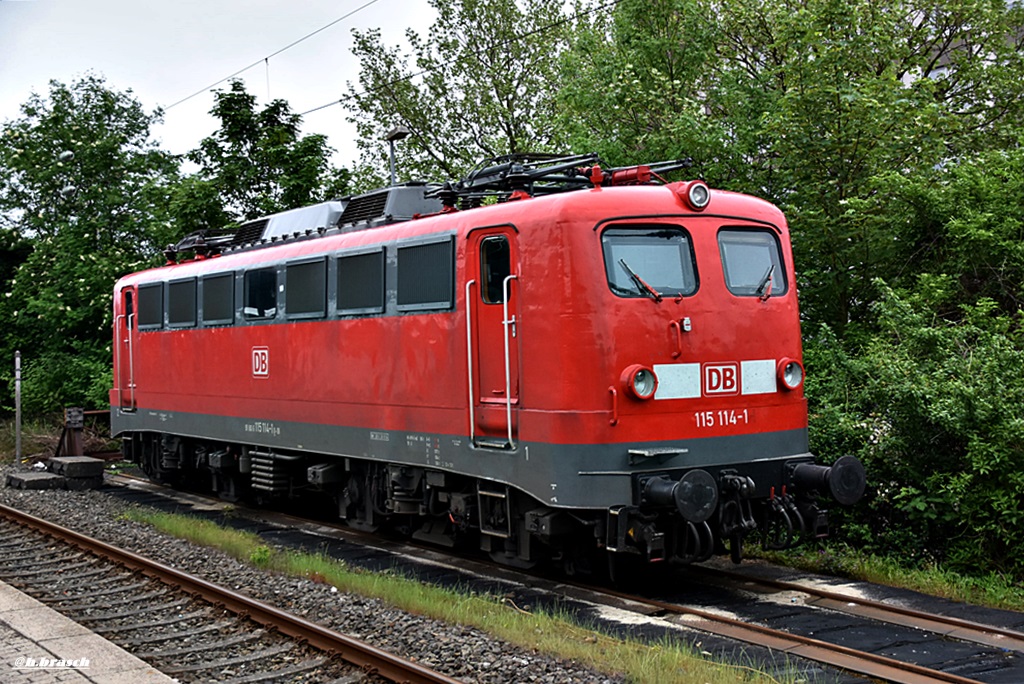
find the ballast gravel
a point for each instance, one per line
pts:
(460, 652)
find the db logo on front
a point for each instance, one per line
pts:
(260, 362)
(721, 378)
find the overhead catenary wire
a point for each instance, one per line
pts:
(273, 54)
(499, 44)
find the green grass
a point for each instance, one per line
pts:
(550, 633)
(994, 590)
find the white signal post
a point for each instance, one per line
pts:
(17, 406)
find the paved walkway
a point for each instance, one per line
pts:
(40, 646)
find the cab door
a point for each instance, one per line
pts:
(493, 331)
(124, 349)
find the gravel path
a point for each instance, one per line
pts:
(461, 652)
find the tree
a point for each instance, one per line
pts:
(256, 164)
(14, 249)
(634, 82)
(83, 192)
(812, 104)
(858, 92)
(930, 396)
(479, 85)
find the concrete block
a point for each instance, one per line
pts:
(35, 480)
(77, 466)
(77, 484)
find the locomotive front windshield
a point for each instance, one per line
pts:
(752, 263)
(649, 261)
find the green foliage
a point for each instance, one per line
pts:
(635, 83)
(83, 193)
(260, 556)
(965, 228)
(853, 96)
(196, 205)
(256, 164)
(928, 392)
(65, 378)
(813, 105)
(14, 249)
(477, 86)
(933, 408)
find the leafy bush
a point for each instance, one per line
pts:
(56, 380)
(932, 406)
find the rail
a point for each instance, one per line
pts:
(946, 625)
(835, 655)
(351, 650)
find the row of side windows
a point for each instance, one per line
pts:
(424, 277)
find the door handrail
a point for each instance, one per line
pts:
(508, 370)
(131, 363)
(469, 359)
(117, 359)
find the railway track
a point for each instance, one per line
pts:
(995, 653)
(853, 660)
(184, 626)
(952, 627)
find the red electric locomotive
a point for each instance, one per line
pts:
(594, 361)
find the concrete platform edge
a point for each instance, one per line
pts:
(34, 634)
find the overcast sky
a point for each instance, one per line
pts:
(166, 51)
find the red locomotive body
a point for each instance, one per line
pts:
(613, 368)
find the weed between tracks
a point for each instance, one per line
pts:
(993, 590)
(550, 633)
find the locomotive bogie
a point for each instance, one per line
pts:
(614, 370)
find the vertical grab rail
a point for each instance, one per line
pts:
(674, 325)
(508, 372)
(131, 362)
(469, 359)
(117, 360)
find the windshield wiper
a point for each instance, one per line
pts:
(764, 288)
(639, 282)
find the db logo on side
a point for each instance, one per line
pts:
(260, 362)
(721, 378)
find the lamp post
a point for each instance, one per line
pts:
(396, 133)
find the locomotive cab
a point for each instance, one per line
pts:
(706, 381)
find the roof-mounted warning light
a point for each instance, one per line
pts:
(694, 194)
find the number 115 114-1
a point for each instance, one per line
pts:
(709, 419)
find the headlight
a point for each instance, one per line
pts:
(791, 373)
(695, 194)
(699, 195)
(640, 381)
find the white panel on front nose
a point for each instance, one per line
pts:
(758, 377)
(677, 380)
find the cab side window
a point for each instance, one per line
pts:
(495, 266)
